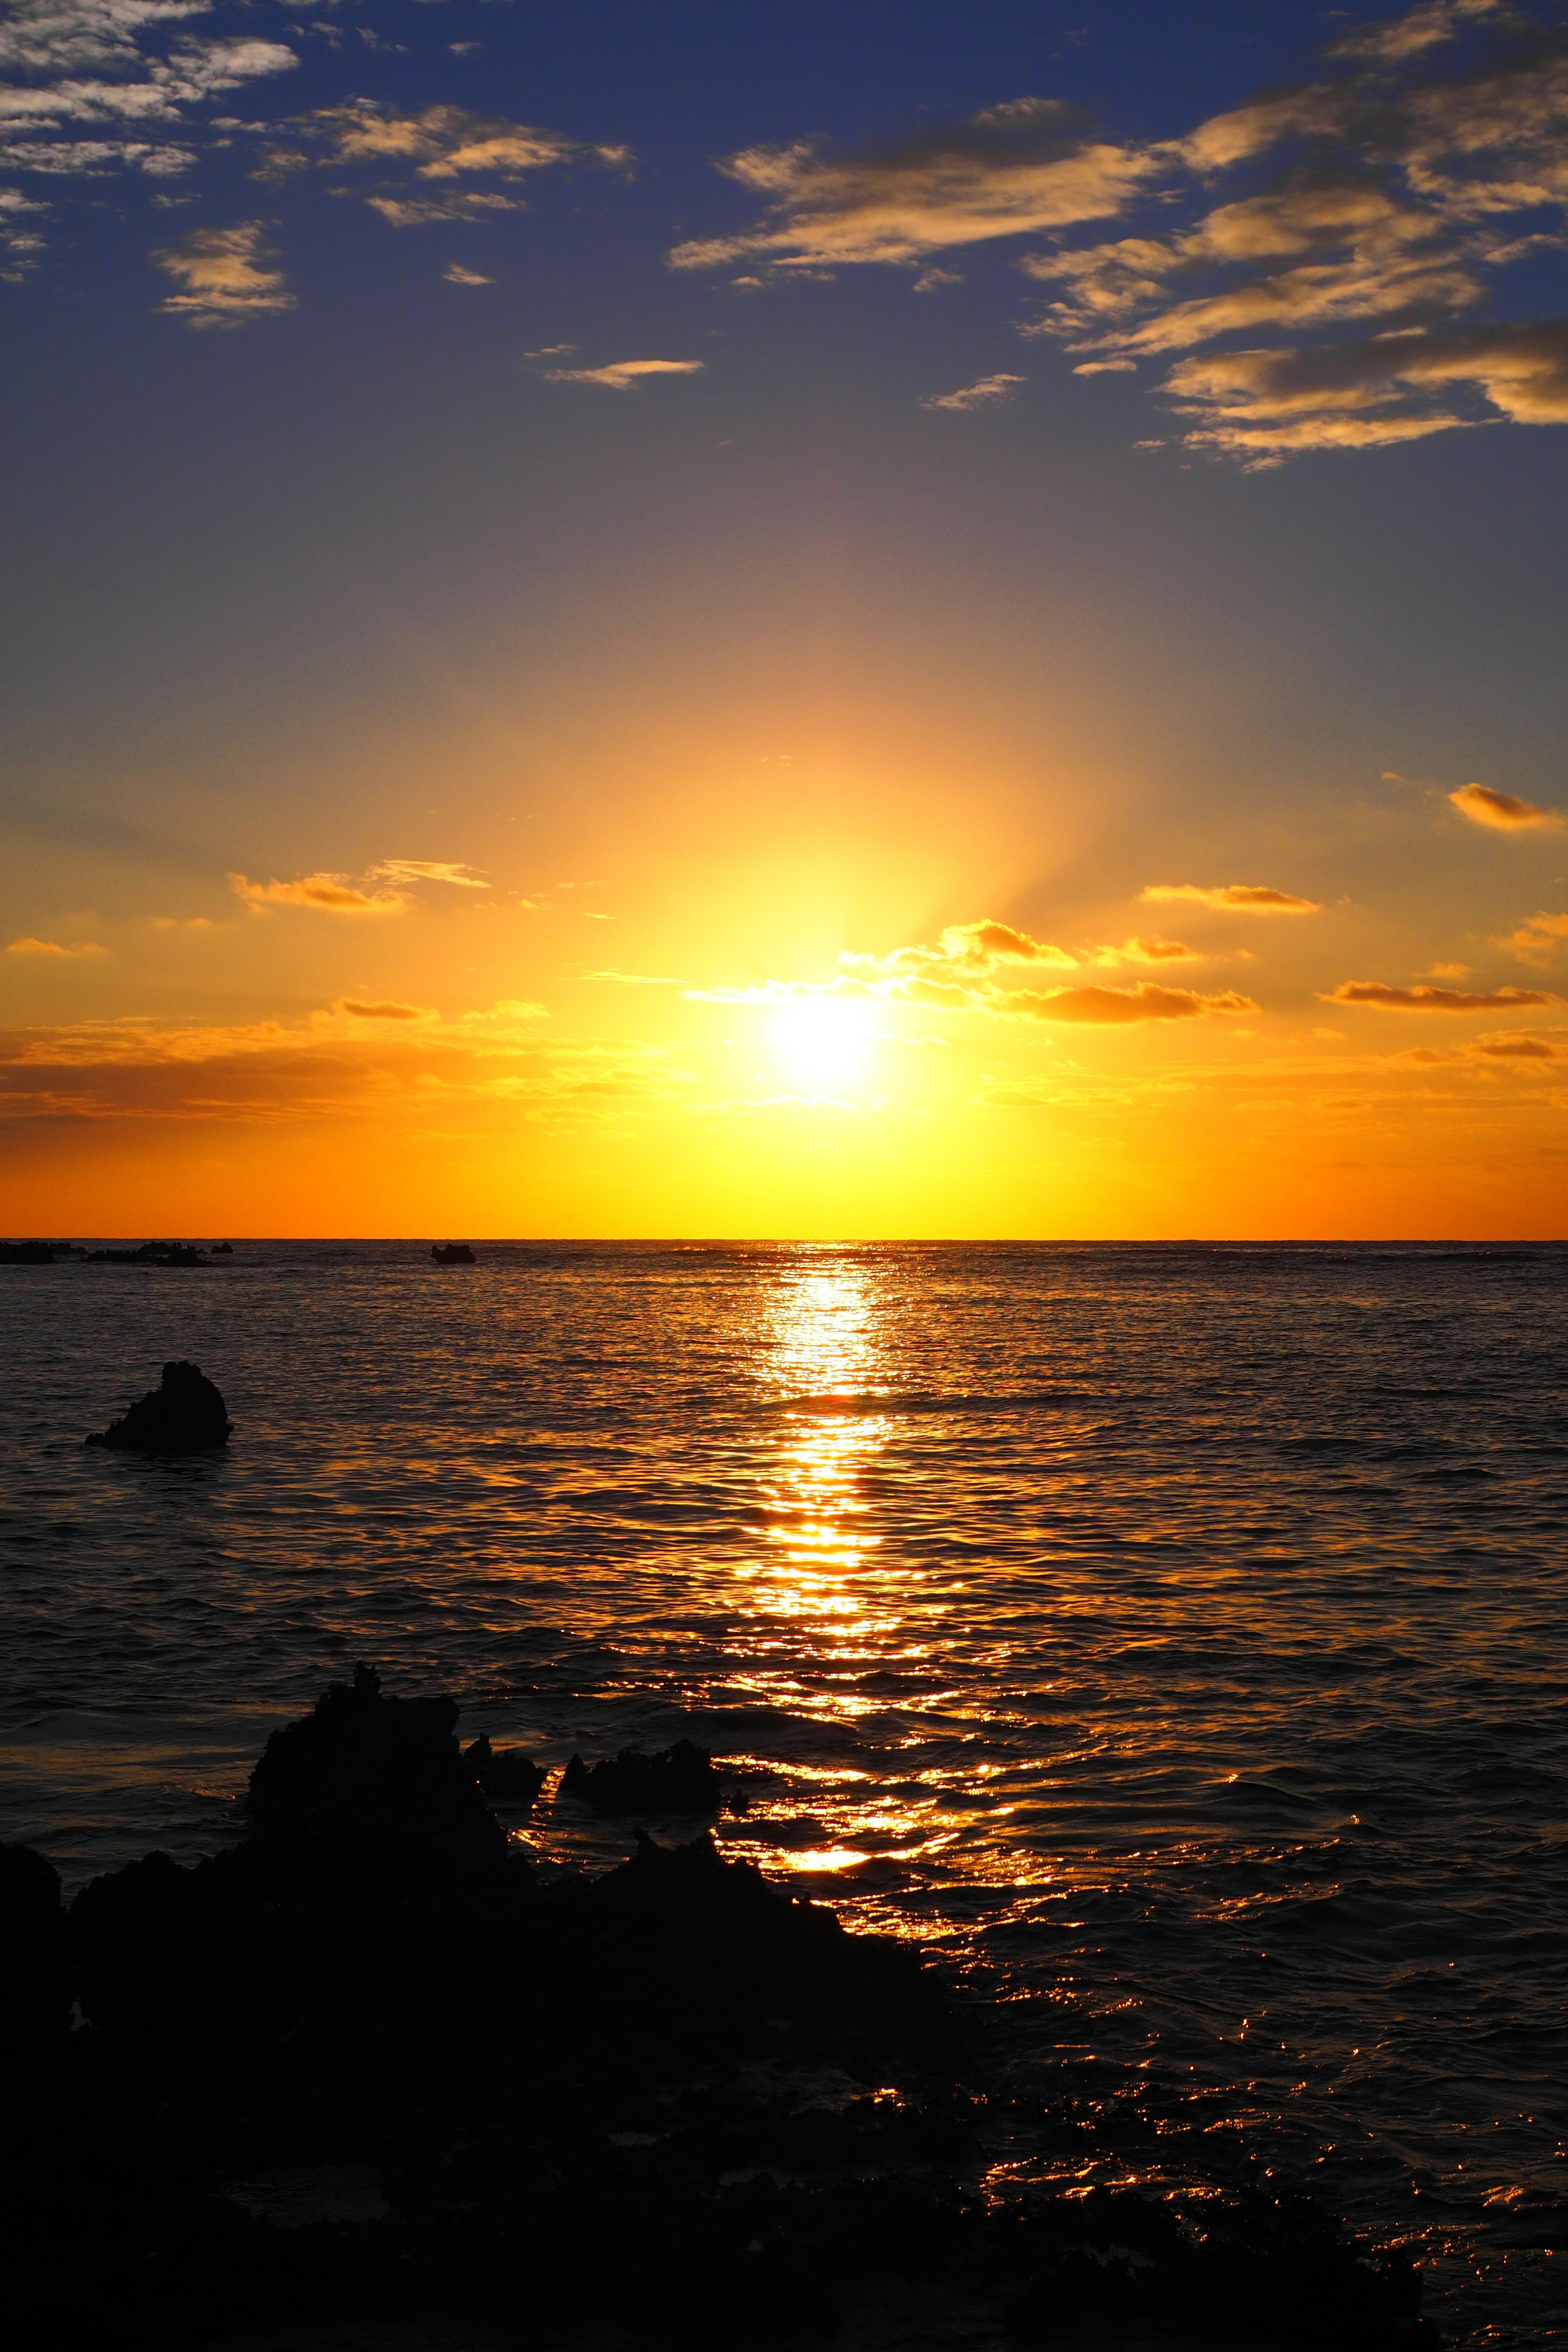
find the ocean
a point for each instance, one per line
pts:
(1171, 1638)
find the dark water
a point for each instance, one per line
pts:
(1173, 1635)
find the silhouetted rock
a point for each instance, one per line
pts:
(222, 1249)
(679, 1779)
(185, 1415)
(28, 1253)
(35, 1990)
(365, 1770)
(674, 2099)
(452, 1253)
(505, 1774)
(149, 1253)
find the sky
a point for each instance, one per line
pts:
(824, 621)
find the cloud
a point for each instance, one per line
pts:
(427, 869)
(445, 142)
(960, 969)
(1028, 165)
(963, 949)
(331, 894)
(1114, 1007)
(622, 375)
(456, 275)
(990, 391)
(1265, 404)
(1482, 805)
(1144, 950)
(1355, 227)
(365, 1060)
(226, 277)
(428, 159)
(1235, 898)
(1424, 998)
(1538, 938)
(54, 948)
(1515, 1045)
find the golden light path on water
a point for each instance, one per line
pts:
(827, 1602)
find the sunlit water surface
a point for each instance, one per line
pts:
(1173, 1635)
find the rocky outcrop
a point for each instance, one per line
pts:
(671, 2104)
(679, 1779)
(183, 1414)
(452, 1253)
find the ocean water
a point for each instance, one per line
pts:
(1172, 1637)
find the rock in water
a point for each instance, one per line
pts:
(452, 1253)
(185, 1415)
(679, 1779)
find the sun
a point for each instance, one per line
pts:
(823, 1042)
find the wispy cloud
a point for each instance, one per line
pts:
(960, 971)
(363, 1058)
(1028, 165)
(456, 275)
(428, 869)
(439, 163)
(1352, 226)
(226, 276)
(623, 376)
(29, 947)
(1234, 898)
(962, 949)
(331, 894)
(1146, 950)
(1539, 937)
(336, 894)
(1424, 999)
(990, 391)
(136, 74)
(1502, 812)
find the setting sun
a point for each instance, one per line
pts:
(822, 1041)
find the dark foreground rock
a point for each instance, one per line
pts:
(452, 1253)
(29, 1253)
(183, 1414)
(679, 1779)
(364, 2065)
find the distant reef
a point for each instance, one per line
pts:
(452, 1253)
(183, 1414)
(370, 2067)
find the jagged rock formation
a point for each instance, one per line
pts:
(452, 1253)
(183, 1414)
(679, 1779)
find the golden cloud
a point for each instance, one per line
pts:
(1028, 165)
(623, 376)
(1235, 898)
(1424, 999)
(1114, 1007)
(990, 391)
(1483, 805)
(1538, 938)
(54, 948)
(362, 1058)
(226, 276)
(331, 894)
